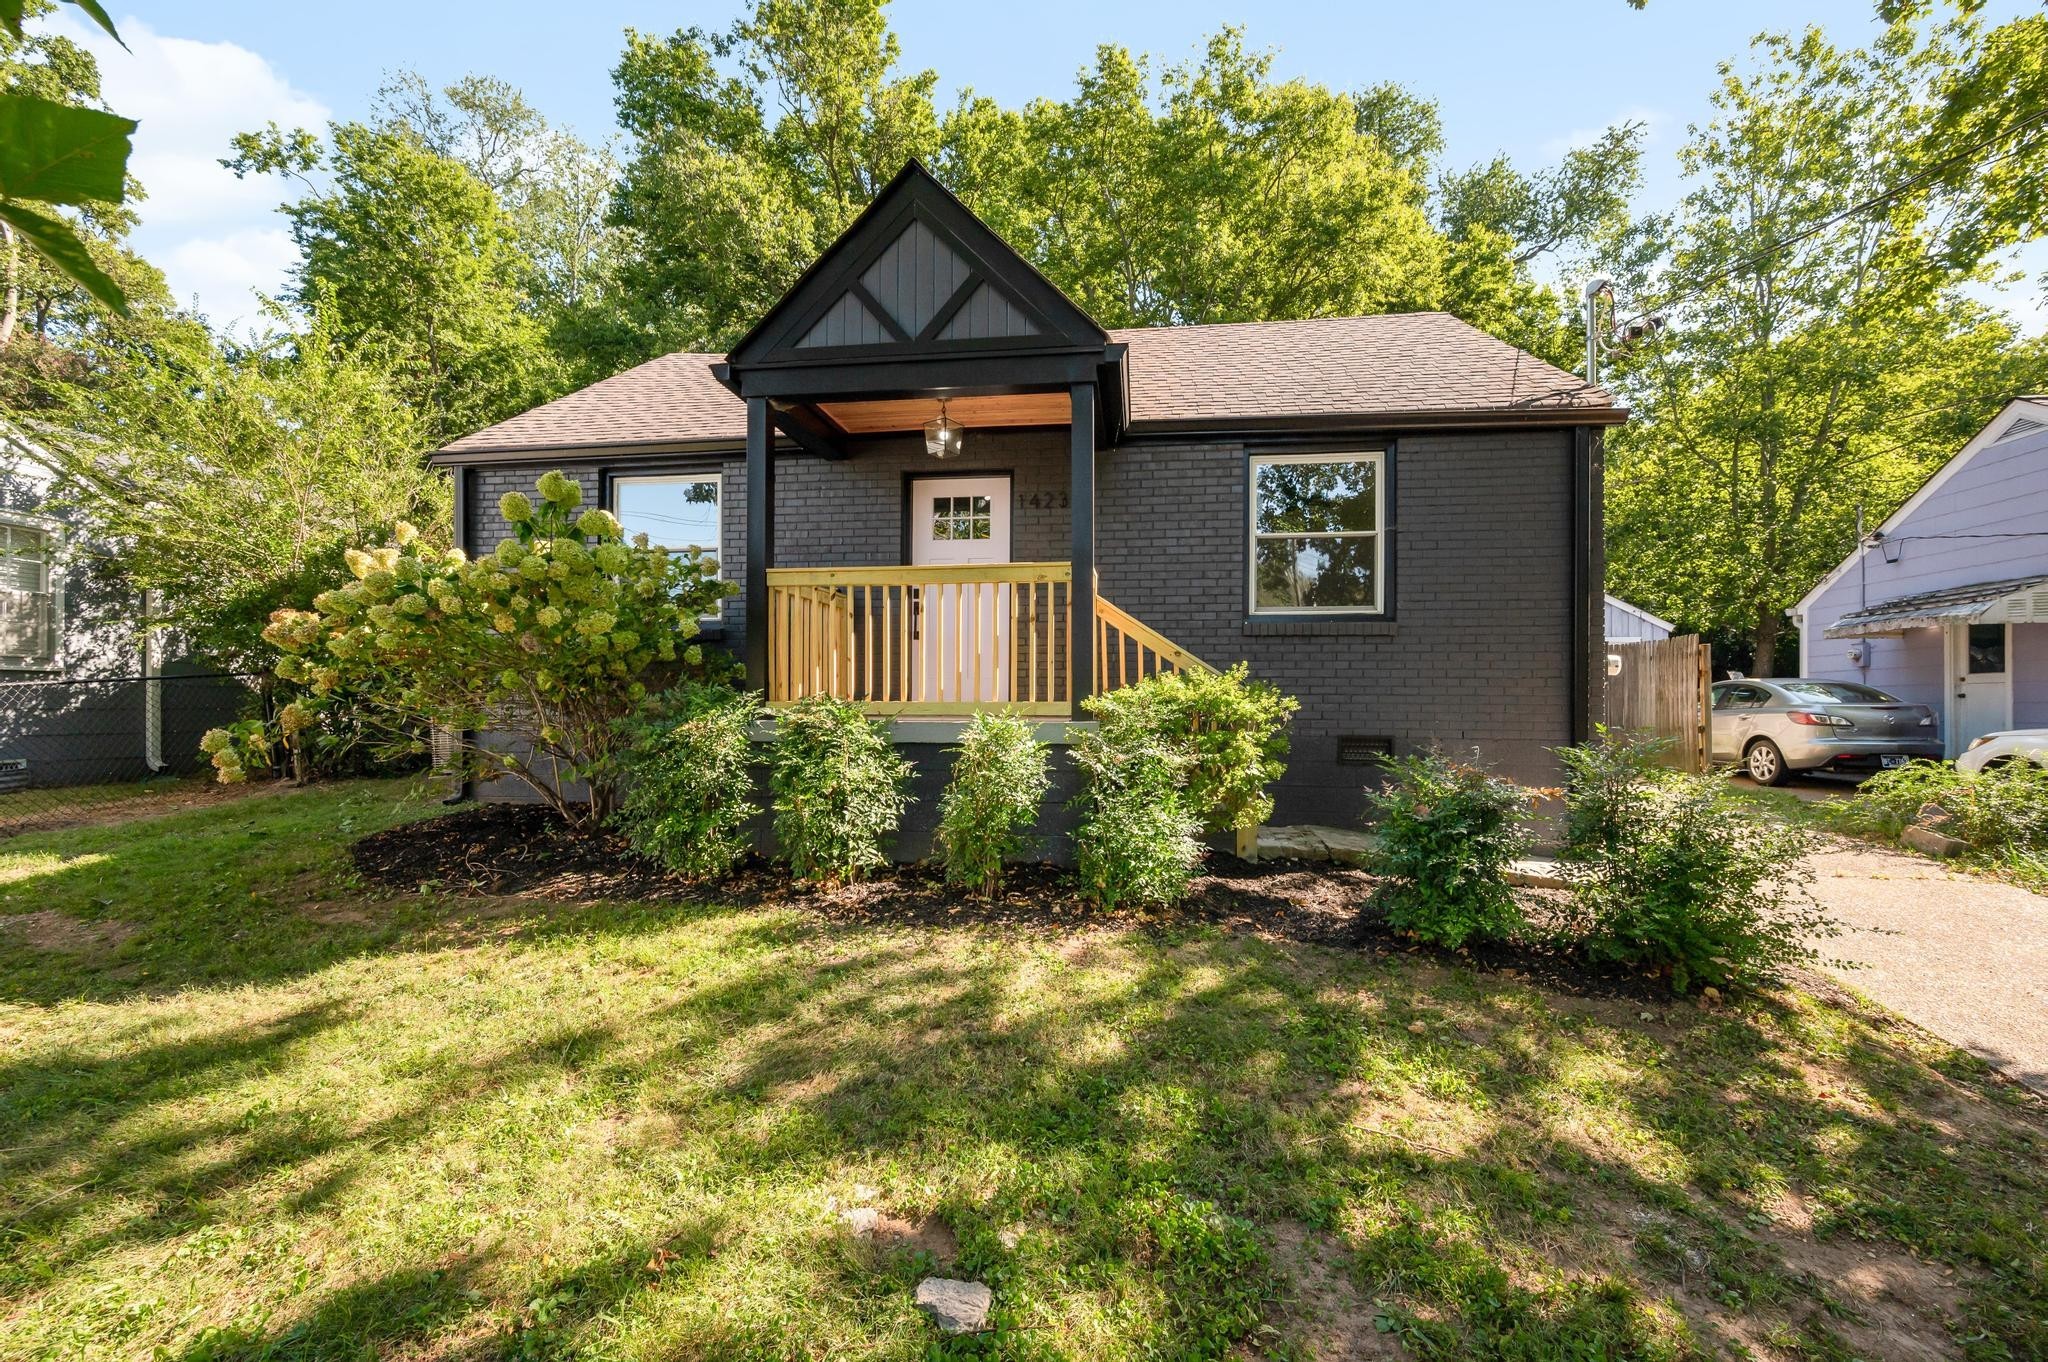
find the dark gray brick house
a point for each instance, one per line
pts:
(918, 461)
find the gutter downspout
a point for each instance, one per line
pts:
(152, 690)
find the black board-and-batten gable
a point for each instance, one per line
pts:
(919, 296)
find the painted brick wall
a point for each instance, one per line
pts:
(1480, 649)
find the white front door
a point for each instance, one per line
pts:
(1978, 656)
(962, 628)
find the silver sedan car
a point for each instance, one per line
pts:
(1774, 728)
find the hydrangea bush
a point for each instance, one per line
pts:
(547, 643)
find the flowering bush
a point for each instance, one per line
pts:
(238, 748)
(549, 641)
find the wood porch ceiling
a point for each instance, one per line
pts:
(910, 413)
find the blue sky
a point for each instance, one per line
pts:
(1527, 79)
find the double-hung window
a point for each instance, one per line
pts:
(31, 593)
(1318, 533)
(676, 511)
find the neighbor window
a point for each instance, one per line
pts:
(31, 602)
(1318, 533)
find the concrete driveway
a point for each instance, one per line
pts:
(1963, 956)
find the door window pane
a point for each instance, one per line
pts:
(1987, 649)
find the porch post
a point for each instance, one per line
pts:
(760, 537)
(1081, 607)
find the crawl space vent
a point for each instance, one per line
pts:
(1357, 751)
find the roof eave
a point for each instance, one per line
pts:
(1476, 418)
(451, 457)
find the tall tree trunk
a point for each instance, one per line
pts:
(1769, 624)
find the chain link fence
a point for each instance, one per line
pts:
(74, 750)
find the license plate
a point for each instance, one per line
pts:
(1893, 763)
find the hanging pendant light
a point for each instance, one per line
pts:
(942, 434)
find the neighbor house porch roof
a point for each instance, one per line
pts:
(1395, 371)
(2016, 599)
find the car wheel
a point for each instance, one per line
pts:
(1765, 763)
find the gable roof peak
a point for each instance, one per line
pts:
(916, 272)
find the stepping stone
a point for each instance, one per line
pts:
(1923, 838)
(956, 1307)
(1291, 844)
(1536, 872)
(1348, 846)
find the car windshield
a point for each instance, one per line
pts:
(1838, 690)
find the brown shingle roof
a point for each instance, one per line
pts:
(1398, 366)
(1394, 365)
(671, 400)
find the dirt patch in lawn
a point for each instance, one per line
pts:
(524, 851)
(50, 930)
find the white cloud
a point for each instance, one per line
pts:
(1653, 121)
(231, 270)
(214, 236)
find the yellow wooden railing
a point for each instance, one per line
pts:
(947, 639)
(1127, 649)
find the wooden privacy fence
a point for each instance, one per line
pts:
(948, 639)
(1662, 690)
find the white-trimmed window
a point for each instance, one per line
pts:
(676, 511)
(1318, 533)
(31, 593)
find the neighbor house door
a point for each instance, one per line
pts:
(1978, 656)
(962, 629)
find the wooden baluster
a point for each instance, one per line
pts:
(976, 648)
(1031, 644)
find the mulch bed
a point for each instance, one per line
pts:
(523, 850)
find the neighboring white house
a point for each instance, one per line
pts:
(1632, 624)
(1946, 603)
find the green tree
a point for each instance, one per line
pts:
(1205, 192)
(409, 250)
(754, 148)
(234, 478)
(1822, 355)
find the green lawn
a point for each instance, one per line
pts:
(250, 1111)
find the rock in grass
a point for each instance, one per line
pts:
(956, 1307)
(861, 1221)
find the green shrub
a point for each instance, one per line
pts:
(999, 775)
(1697, 890)
(1605, 780)
(1447, 832)
(688, 779)
(838, 788)
(1135, 842)
(553, 639)
(1229, 732)
(2000, 811)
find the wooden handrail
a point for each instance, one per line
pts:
(922, 575)
(1129, 650)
